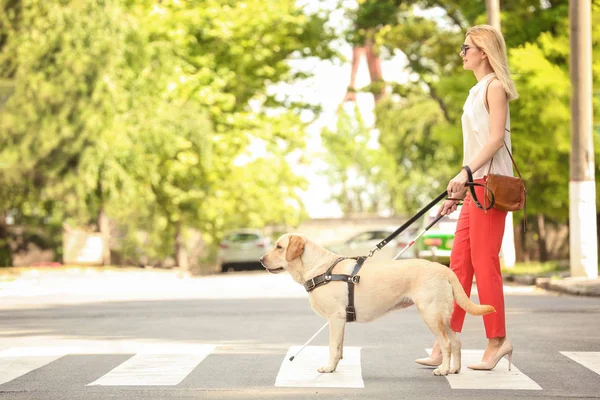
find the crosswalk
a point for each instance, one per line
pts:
(177, 365)
(498, 379)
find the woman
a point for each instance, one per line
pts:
(486, 129)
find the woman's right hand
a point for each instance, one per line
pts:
(448, 207)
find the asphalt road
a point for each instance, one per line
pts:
(151, 335)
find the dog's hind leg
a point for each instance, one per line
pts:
(435, 322)
(336, 341)
(456, 348)
(342, 345)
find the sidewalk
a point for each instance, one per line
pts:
(563, 284)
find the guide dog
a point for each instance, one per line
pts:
(383, 287)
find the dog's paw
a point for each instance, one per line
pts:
(440, 372)
(326, 369)
(454, 370)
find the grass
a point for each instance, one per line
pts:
(536, 268)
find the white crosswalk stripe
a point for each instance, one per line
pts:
(589, 359)
(20, 361)
(500, 378)
(153, 369)
(302, 372)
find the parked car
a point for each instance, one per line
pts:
(362, 243)
(436, 243)
(241, 249)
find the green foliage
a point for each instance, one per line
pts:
(412, 131)
(536, 268)
(360, 174)
(144, 110)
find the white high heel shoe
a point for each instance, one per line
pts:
(430, 361)
(505, 350)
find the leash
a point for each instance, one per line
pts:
(470, 184)
(408, 223)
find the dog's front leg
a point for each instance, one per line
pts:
(336, 341)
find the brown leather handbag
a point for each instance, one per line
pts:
(509, 192)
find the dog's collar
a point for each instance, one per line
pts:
(327, 277)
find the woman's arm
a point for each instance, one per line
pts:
(498, 104)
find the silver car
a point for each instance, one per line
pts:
(360, 245)
(241, 249)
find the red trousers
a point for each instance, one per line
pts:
(475, 250)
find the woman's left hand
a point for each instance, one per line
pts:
(457, 184)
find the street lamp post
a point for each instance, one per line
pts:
(582, 188)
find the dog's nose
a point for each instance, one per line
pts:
(262, 259)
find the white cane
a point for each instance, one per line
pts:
(418, 236)
(308, 341)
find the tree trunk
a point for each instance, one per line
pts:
(541, 223)
(493, 13)
(181, 255)
(523, 237)
(5, 250)
(374, 66)
(104, 228)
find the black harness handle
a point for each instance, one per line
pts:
(471, 185)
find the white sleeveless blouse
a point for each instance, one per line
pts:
(476, 132)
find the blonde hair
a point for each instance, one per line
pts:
(492, 43)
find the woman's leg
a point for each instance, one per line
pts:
(487, 231)
(460, 263)
(460, 260)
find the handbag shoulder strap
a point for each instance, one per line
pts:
(487, 85)
(512, 159)
(485, 102)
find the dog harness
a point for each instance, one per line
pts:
(327, 277)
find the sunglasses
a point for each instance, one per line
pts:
(465, 47)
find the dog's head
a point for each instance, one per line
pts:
(287, 250)
(295, 253)
(286, 254)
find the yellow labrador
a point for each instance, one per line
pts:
(383, 287)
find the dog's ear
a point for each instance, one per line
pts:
(295, 248)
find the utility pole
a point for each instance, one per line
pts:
(582, 188)
(508, 240)
(493, 13)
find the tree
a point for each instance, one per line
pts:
(420, 122)
(141, 111)
(59, 120)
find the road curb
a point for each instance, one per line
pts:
(530, 279)
(575, 286)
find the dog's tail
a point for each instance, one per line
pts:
(463, 301)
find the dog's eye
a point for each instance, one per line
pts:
(279, 246)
